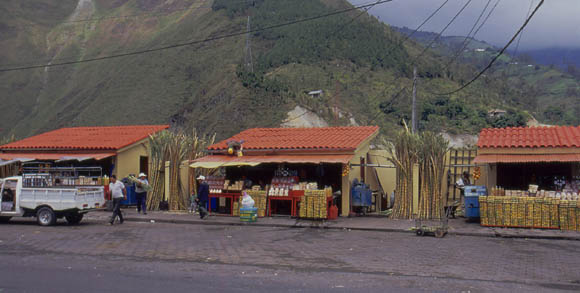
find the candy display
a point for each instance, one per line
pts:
(314, 204)
(529, 212)
(259, 197)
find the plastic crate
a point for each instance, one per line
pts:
(475, 190)
(248, 214)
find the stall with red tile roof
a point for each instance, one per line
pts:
(514, 158)
(119, 150)
(322, 155)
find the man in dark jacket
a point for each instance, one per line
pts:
(202, 196)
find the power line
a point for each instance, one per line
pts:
(470, 39)
(467, 40)
(440, 33)
(150, 14)
(500, 53)
(395, 97)
(75, 57)
(337, 12)
(365, 10)
(425, 21)
(416, 58)
(520, 37)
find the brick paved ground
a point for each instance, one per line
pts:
(457, 226)
(470, 263)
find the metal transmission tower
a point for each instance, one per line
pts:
(248, 56)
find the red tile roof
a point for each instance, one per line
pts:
(86, 138)
(284, 158)
(319, 139)
(55, 156)
(530, 137)
(527, 158)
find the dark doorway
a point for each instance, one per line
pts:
(144, 164)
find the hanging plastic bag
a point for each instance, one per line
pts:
(247, 201)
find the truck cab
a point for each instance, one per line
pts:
(47, 203)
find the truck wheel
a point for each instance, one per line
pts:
(73, 218)
(45, 217)
(4, 219)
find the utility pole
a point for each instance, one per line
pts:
(414, 106)
(248, 56)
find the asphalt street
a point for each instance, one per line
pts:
(155, 257)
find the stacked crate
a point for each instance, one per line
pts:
(569, 215)
(313, 204)
(260, 200)
(520, 212)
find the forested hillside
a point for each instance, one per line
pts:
(363, 67)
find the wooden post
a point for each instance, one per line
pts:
(454, 175)
(414, 109)
(345, 194)
(167, 180)
(415, 189)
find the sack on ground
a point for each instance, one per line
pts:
(247, 201)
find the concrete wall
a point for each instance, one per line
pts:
(128, 159)
(386, 176)
(354, 173)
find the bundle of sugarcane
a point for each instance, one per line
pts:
(158, 154)
(179, 148)
(199, 144)
(135, 180)
(404, 154)
(432, 150)
(173, 148)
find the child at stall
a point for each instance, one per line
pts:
(193, 203)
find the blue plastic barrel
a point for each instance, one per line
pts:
(131, 197)
(472, 206)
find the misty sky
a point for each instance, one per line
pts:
(557, 23)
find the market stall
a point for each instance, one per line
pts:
(533, 175)
(298, 172)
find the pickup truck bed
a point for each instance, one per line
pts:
(62, 199)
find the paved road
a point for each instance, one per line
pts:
(151, 257)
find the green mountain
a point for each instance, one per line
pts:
(360, 64)
(548, 92)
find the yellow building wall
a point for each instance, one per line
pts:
(128, 159)
(386, 176)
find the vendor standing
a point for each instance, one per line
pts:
(141, 193)
(461, 183)
(202, 196)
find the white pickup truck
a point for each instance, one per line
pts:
(47, 204)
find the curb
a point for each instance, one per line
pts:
(391, 230)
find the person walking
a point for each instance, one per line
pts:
(118, 193)
(141, 193)
(202, 196)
